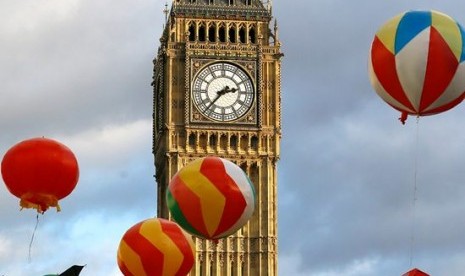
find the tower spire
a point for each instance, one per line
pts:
(276, 33)
(165, 11)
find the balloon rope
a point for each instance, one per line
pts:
(415, 189)
(32, 238)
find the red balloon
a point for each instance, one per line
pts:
(40, 172)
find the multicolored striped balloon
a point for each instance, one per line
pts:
(156, 247)
(211, 198)
(416, 63)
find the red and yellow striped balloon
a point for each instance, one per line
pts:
(211, 198)
(156, 247)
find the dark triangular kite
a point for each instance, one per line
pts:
(75, 270)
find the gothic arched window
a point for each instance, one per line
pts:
(242, 34)
(252, 38)
(223, 142)
(203, 141)
(191, 32)
(192, 140)
(202, 34)
(254, 143)
(244, 143)
(211, 33)
(233, 141)
(232, 34)
(222, 34)
(213, 141)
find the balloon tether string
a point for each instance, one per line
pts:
(32, 238)
(415, 189)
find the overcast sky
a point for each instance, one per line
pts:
(79, 71)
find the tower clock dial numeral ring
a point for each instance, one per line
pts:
(223, 92)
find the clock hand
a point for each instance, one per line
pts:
(220, 93)
(214, 100)
(226, 90)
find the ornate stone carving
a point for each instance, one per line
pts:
(221, 257)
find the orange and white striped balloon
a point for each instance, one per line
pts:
(156, 247)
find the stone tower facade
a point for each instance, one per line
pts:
(216, 91)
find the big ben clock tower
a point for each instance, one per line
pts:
(217, 92)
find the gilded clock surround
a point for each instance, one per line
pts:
(199, 32)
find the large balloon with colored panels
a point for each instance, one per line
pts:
(40, 171)
(416, 63)
(211, 198)
(156, 247)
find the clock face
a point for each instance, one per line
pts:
(223, 92)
